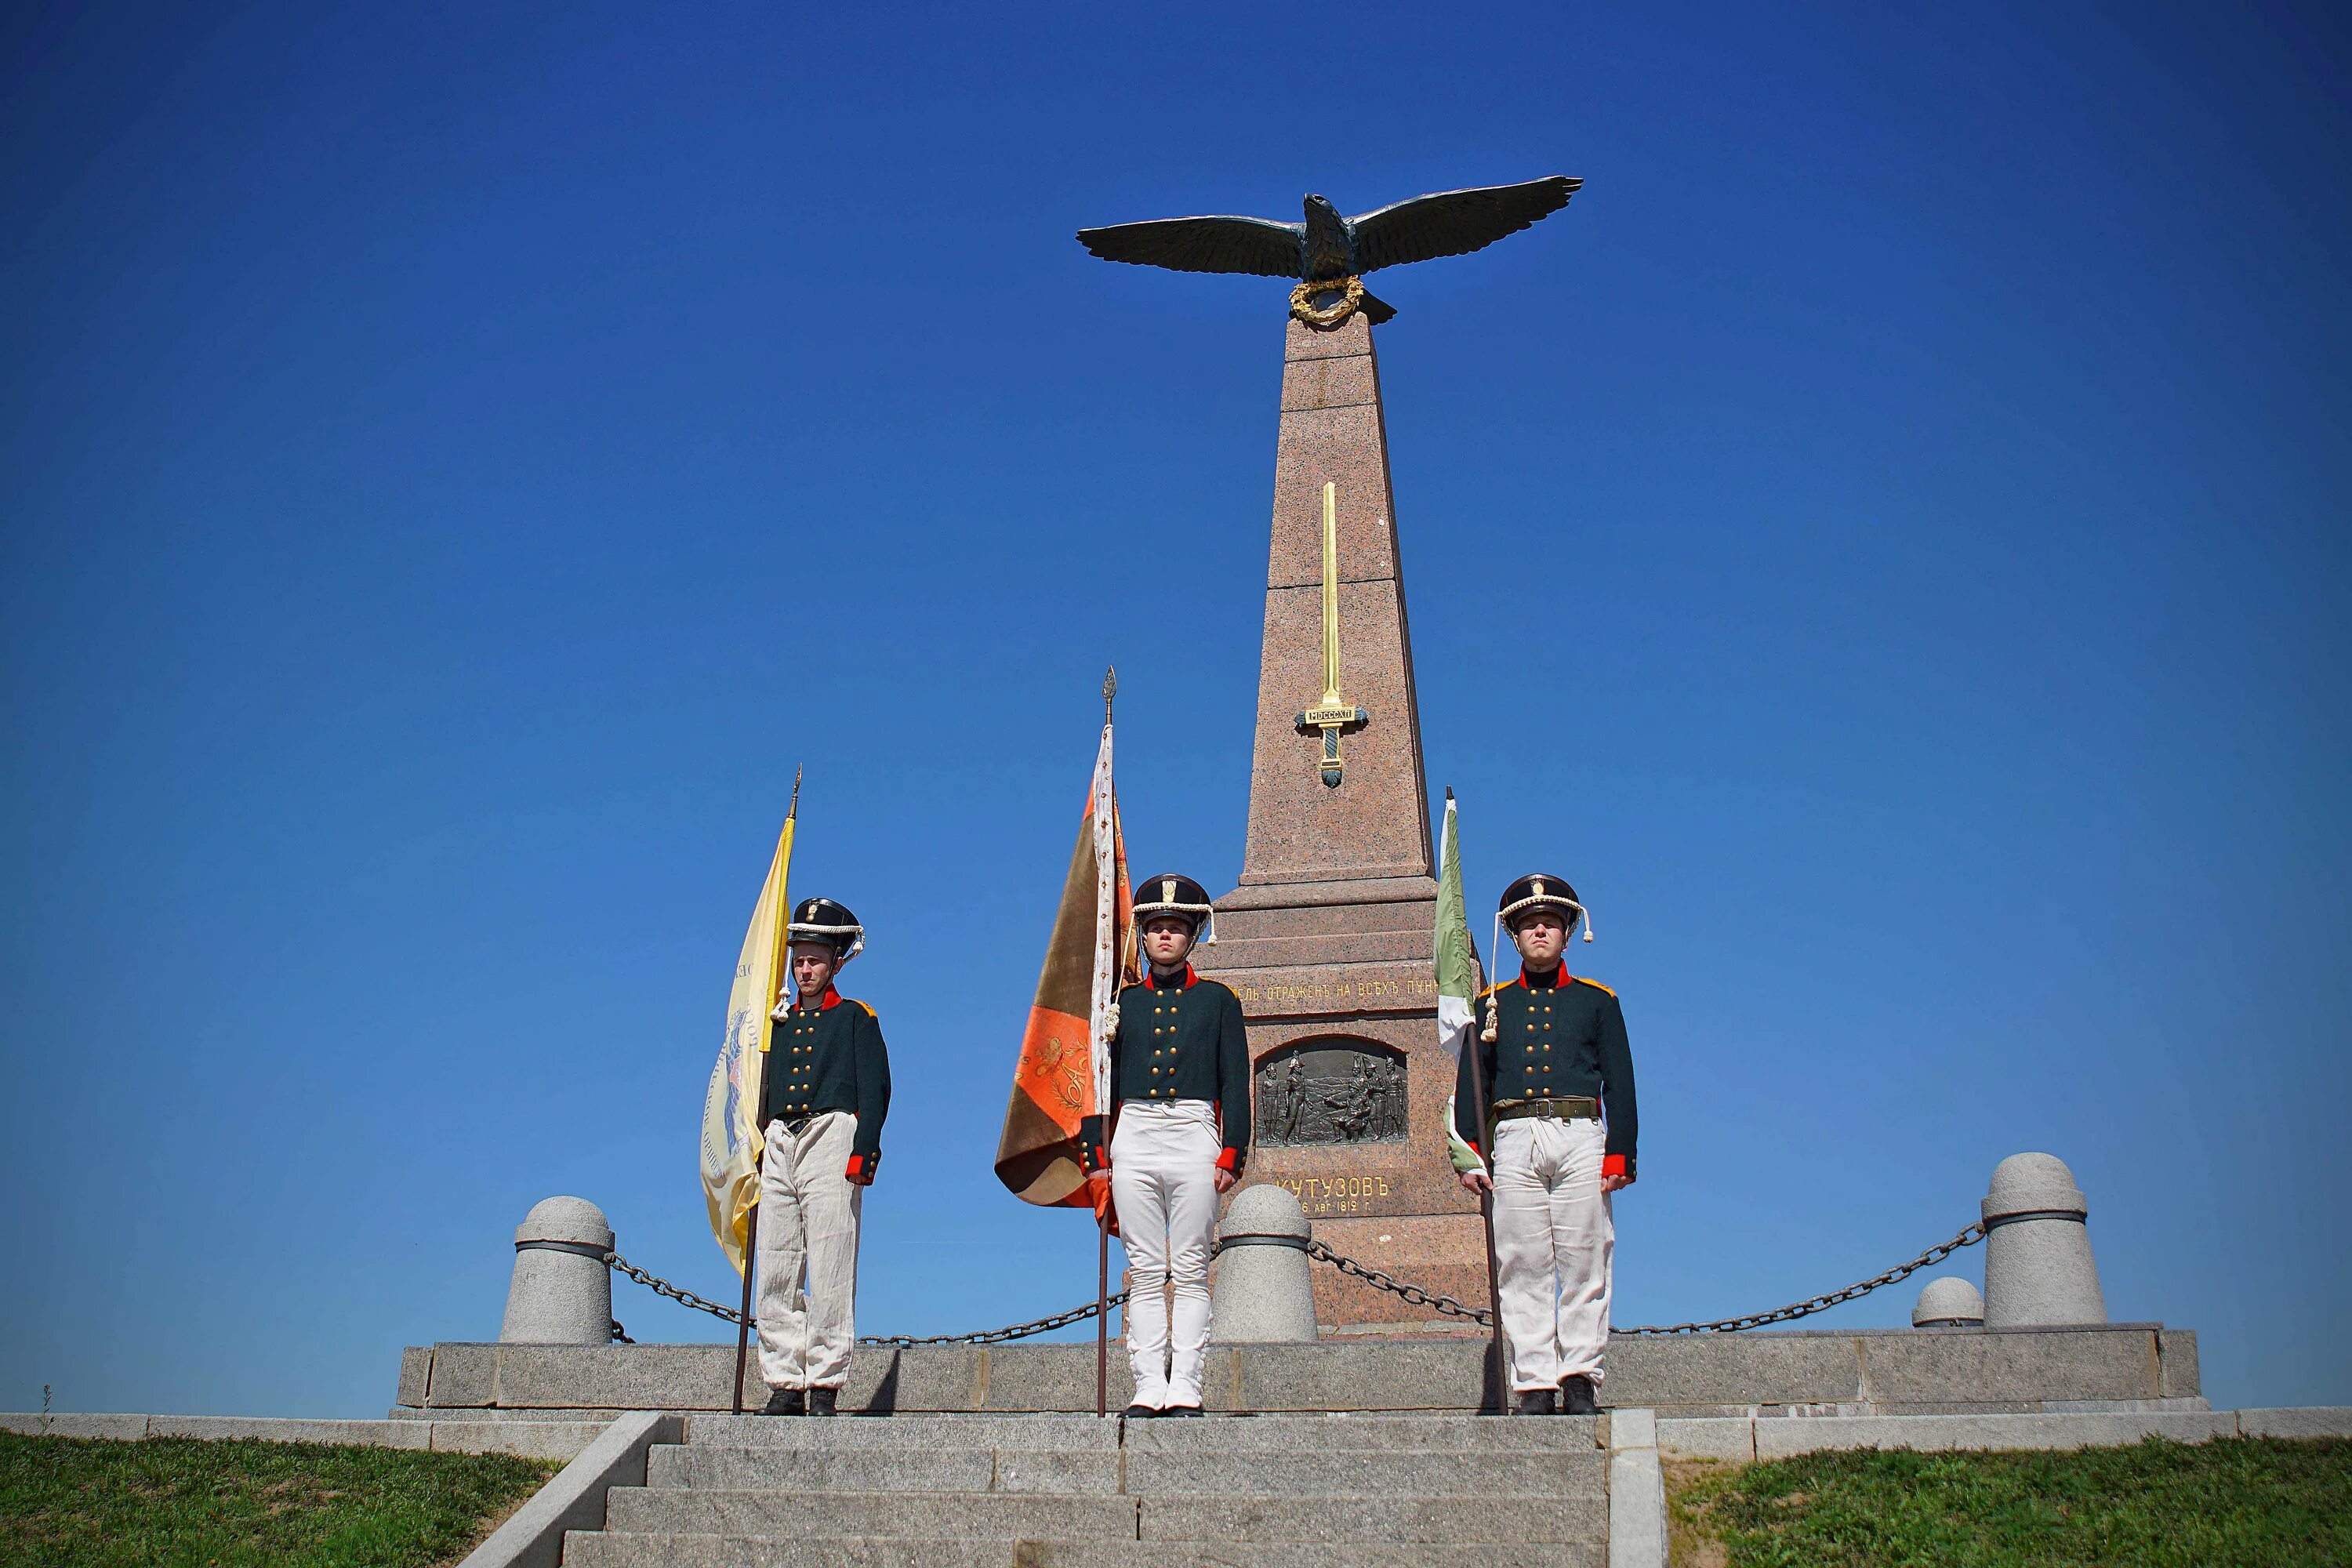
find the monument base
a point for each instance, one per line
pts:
(1881, 1372)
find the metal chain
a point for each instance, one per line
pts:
(1414, 1295)
(1968, 1236)
(993, 1336)
(660, 1287)
(1411, 1294)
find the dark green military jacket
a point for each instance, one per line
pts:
(1181, 1038)
(1557, 1034)
(829, 1057)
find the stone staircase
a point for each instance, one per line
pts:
(1077, 1491)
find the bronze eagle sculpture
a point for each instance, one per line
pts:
(1329, 248)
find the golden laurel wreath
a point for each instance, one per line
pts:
(1302, 301)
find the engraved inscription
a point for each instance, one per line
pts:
(1337, 993)
(1330, 1090)
(1334, 1194)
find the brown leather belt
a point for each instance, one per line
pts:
(1570, 1108)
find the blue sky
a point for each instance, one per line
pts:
(1884, 542)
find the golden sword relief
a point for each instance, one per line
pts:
(1334, 715)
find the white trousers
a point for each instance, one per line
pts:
(808, 1232)
(1164, 1180)
(1553, 1236)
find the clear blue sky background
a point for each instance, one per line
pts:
(1885, 542)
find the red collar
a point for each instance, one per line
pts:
(831, 999)
(1559, 977)
(1190, 980)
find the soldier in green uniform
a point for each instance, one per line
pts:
(1180, 1084)
(1561, 1117)
(823, 1092)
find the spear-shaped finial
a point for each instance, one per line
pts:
(1110, 688)
(794, 808)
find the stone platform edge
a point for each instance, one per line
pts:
(563, 1440)
(1850, 1372)
(1744, 1439)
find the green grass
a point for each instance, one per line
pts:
(2155, 1505)
(67, 1502)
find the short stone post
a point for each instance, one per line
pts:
(562, 1293)
(1950, 1302)
(2038, 1267)
(1263, 1295)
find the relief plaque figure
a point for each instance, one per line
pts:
(1331, 1091)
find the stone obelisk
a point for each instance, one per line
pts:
(1327, 940)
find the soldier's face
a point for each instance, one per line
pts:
(814, 963)
(1167, 939)
(1543, 937)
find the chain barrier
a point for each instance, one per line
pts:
(1411, 1294)
(1414, 1295)
(661, 1287)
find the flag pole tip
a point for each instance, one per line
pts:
(1449, 792)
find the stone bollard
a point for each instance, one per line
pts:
(562, 1293)
(1263, 1295)
(2038, 1267)
(1950, 1302)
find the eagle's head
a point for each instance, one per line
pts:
(1328, 242)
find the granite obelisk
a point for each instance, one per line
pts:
(1327, 940)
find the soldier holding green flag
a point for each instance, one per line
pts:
(1551, 1138)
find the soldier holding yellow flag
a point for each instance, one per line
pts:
(825, 1091)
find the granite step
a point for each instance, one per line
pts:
(1551, 1517)
(911, 1470)
(894, 1515)
(1232, 1434)
(1471, 1519)
(1318, 1470)
(906, 1434)
(1290, 1434)
(627, 1549)
(1366, 1472)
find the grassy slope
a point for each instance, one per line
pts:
(75, 1503)
(2155, 1505)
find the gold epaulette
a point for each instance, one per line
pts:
(1581, 980)
(867, 1005)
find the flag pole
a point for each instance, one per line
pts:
(1499, 1364)
(760, 1164)
(1102, 1211)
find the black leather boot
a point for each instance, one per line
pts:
(1536, 1402)
(821, 1401)
(1576, 1397)
(1141, 1412)
(785, 1402)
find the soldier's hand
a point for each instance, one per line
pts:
(1224, 1181)
(861, 1169)
(1612, 1183)
(1477, 1181)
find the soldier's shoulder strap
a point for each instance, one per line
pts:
(867, 1005)
(1489, 991)
(1581, 980)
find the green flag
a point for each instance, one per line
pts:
(1458, 973)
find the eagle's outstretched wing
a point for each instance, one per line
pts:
(1203, 244)
(1454, 223)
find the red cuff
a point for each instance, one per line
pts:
(1229, 1160)
(861, 1168)
(1616, 1166)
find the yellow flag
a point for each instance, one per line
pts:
(731, 1142)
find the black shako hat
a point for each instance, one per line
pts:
(822, 919)
(1541, 891)
(1173, 896)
